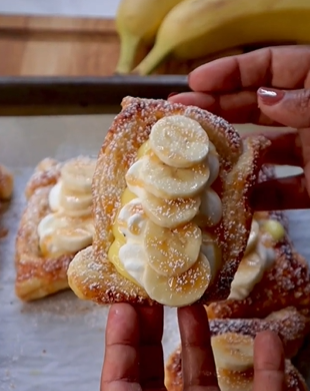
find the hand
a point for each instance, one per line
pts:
(267, 87)
(134, 354)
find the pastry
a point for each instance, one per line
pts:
(232, 342)
(171, 207)
(271, 275)
(6, 183)
(56, 223)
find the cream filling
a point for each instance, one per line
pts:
(69, 227)
(165, 251)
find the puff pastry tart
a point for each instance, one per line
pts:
(171, 208)
(6, 183)
(55, 225)
(232, 342)
(271, 275)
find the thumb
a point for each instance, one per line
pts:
(289, 108)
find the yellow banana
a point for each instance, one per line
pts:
(137, 21)
(197, 28)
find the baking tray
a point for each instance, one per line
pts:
(81, 95)
(58, 342)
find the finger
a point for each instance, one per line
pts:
(290, 108)
(239, 107)
(285, 148)
(197, 357)
(281, 194)
(268, 362)
(151, 351)
(275, 66)
(120, 370)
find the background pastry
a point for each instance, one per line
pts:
(56, 223)
(271, 276)
(171, 209)
(232, 342)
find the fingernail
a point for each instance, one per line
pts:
(172, 94)
(270, 96)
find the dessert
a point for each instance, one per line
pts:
(232, 343)
(171, 208)
(55, 225)
(271, 275)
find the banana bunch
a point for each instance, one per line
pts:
(137, 21)
(192, 29)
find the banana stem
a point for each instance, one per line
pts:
(128, 51)
(155, 57)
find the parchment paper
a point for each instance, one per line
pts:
(58, 342)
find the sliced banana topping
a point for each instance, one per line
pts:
(179, 141)
(180, 290)
(211, 209)
(170, 182)
(233, 351)
(172, 252)
(274, 229)
(212, 252)
(169, 213)
(213, 164)
(77, 174)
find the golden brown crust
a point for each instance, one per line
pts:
(37, 276)
(240, 164)
(6, 183)
(290, 325)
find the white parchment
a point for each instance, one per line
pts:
(58, 342)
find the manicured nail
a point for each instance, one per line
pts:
(270, 96)
(172, 94)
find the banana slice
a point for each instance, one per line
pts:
(172, 252)
(61, 235)
(212, 252)
(253, 237)
(233, 351)
(249, 273)
(169, 213)
(181, 290)
(169, 182)
(213, 163)
(211, 209)
(179, 141)
(77, 174)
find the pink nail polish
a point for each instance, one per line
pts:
(270, 96)
(172, 94)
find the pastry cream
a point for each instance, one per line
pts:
(69, 227)
(259, 257)
(158, 242)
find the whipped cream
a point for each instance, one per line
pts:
(69, 226)
(164, 244)
(257, 259)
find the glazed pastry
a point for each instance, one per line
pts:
(271, 275)
(232, 342)
(171, 207)
(55, 225)
(6, 183)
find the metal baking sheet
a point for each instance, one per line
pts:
(58, 342)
